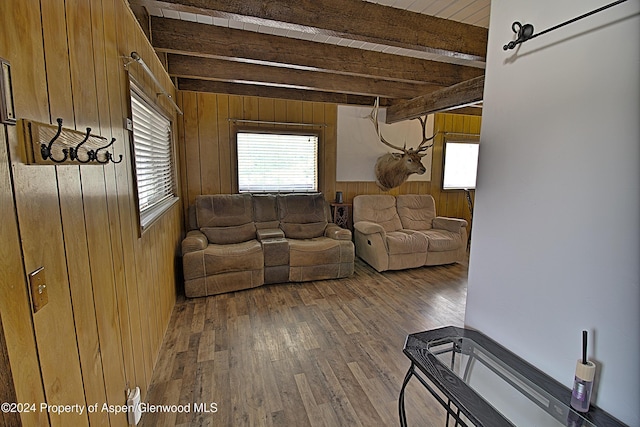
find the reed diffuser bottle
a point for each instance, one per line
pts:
(583, 382)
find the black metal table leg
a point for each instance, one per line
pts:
(447, 407)
(401, 408)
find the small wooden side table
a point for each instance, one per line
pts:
(341, 214)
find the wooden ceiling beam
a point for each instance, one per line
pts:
(352, 19)
(189, 38)
(275, 92)
(461, 94)
(238, 72)
(469, 110)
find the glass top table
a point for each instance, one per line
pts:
(481, 383)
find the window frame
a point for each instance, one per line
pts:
(151, 214)
(278, 130)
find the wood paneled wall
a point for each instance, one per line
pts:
(207, 130)
(451, 203)
(7, 390)
(206, 147)
(111, 291)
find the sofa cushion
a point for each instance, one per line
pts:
(442, 240)
(379, 209)
(226, 218)
(302, 216)
(416, 211)
(319, 251)
(265, 211)
(236, 257)
(406, 242)
(229, 235)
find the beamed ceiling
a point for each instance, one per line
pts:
(418, 56)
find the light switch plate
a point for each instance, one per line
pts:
(39, 293)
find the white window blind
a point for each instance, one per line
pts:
(269, 162)
(154, 165)
(460, 165)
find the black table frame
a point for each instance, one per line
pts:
(462, 399)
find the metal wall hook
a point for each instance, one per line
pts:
(73, 152)
(523, 33)
(108, 156)
(45, 149)
(114, 161)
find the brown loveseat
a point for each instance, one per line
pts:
(394, 233)
(243, 241)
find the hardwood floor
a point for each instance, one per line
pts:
(325, 353)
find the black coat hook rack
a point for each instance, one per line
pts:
(526, 32)
(52, 144)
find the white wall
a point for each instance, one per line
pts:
(556, 233)
(359, 147)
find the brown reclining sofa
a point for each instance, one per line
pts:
(247, 240)
(398, 232)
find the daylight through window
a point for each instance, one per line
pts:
(460, 165)
(269, 162)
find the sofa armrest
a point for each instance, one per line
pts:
(450, 224)
(371, 244)
(336, 232)
(269, 233)
(367, 227)
(195, 241)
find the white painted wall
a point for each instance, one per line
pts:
(359, 146)
(556, 233)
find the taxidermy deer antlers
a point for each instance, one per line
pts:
(392, 169)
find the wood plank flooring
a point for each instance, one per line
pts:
(325, 353)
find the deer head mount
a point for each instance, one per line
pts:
(392, 169)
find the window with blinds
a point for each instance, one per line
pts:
(154, 164)
(270, 162)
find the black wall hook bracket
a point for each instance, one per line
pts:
(525, 32)
(45, 149)
(52, 144)
(73, 152)
(108, 157)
